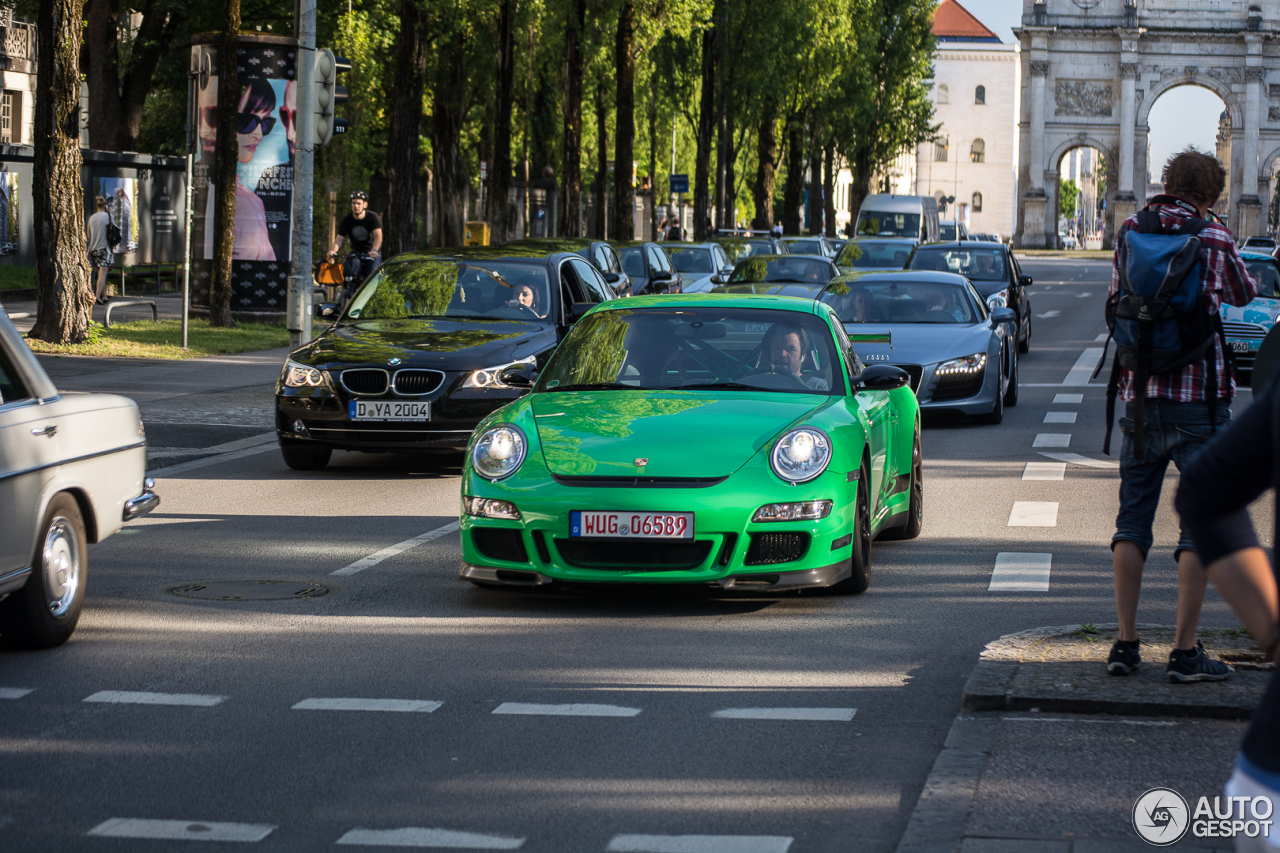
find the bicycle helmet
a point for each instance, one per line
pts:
(360, 194)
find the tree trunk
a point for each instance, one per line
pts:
(653, 156)
(449, 169)
(793, 198)
(706, 133)
(829, 188)
(861, 187)
(766, 168)
(116, 116)
(404, 127)
(571, 177)
(600, 197)
(814, 213)
(226, 180)
(624, 131)
(63, 293)
(499, 201)
(730, 186)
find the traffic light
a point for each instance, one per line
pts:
(329, 94)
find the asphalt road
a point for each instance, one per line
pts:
(406, 707)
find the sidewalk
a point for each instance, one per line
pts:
(168, 305)
(1050, 753)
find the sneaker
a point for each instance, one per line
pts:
(1124, 658)
(1196, 665)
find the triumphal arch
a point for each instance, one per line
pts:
(1091, 71)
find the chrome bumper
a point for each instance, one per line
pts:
(143, 503)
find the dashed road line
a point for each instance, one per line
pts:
(1066, 399)
(1021, 572)
(572, 710)
(1044, 471)
(1059, 417)
(700, 844)
(1034, 514)
(130, 697)
(843, 715)
(392, 550)
(14, 692)
(1082, 370)
(414, 836)
(1052, 439)
(1077, 459)
(181, 830)
(1102, 337)
(423, 706)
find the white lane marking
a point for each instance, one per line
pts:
(183, 467)
(1059, 417)
(1015, 572)
(574, 710)
(1080, 372)
(1084, 295)
(843, 715)
(392, 550)
(425, 706)
(416, 836)
(1048, 314)
(181, 830)
(1064, 399)
(129, 697)
(14, 692)
(1102, 337)
(1034, 514)
(1044, 471)
(1052, 439)
(700, 844)
(1077, 459)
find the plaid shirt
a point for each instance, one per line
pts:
(1223, 278)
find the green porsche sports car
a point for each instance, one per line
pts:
(711, 439)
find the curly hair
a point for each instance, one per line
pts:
(1195, 176)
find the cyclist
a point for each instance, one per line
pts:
(364, 229)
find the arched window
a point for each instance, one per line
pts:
(940, 150)
(977, 151)
(944, 94)
(980, 95)
(977, 202)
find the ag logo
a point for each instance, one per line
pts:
(1161, 817)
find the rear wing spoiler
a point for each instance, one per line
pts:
(885, 337)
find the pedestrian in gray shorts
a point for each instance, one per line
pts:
(100, 257)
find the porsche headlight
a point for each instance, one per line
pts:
(498, 452)
(999, 299)
(300, 376)
(487, 377)
(966, 366)
(801, 454)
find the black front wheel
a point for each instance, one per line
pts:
(1024, 345)
(1011, 392)
(860, 578)
(915, 509)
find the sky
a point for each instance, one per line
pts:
(1187, 115)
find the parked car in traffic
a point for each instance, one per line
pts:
(783, 269)
(649, 267)
(73, 470)
(1258, 244)
(875, 253)
(1245, 326)
(913, 216)
(600, 253)
(738, 248)
(817, 244)
(701, 265)
(985, 238)
(417, 357)
(950, 229)
(994, 271)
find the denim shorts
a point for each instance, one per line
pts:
(1173, 432)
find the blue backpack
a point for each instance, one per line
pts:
(1158, 319)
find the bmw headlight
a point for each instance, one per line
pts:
(487, 377)
(297, 375)
(498, 452)
(801, 454)
(999, 299)
(966, 366)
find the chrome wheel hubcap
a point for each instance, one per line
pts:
(61, 566)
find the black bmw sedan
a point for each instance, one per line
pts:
(429, 345)
(992, 269)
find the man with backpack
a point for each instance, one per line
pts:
(1171, 272)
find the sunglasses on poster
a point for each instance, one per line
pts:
(245, 122)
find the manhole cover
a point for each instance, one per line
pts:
(252, 590)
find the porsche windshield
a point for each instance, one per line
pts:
(782, 269)
(900, 302)
(453, 288)
(693, 348)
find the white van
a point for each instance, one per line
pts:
(912, 216)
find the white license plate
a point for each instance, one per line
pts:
(388, 410)
(590, 524)
(1240, 346)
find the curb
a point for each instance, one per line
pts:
(937, 821)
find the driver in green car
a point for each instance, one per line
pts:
(789, 348)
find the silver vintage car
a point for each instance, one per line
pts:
(72, 472)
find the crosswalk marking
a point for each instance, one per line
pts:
(1077, 459)
(1082, 370)
(1045, 471)
(573, 710)
(414, 836)
(183, 830)
(425, 706)
(1102, 336)
(392, 550)
(700, 844)
(843, 715)
(1034, 514)
(1052, 439)
(1021, 572)
(1067, 398)
(1059, 417)
(130, 697)
(14, 692)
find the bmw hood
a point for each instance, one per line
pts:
(442, 343)
(921, 343)
(680, 433)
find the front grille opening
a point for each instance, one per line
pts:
(769, 548)
(670, 555)
(914, 372)
(540, 542)
(367, 380)
(410, 382)
(726, 550)
(755, 580)
(958, 386)
(498, 543)
(508, 576)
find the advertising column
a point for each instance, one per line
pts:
(265, 136)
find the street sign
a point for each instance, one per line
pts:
(679, 184)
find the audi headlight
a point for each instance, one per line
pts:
(487, 377)
(498, 452)
(801, 454)
(999, 299)
(966, 366)
(300, 376)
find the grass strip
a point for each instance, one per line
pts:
(163, 339)
(14, 277)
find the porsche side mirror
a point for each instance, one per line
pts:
(519, 376)
(881, 377)
(1003, 315)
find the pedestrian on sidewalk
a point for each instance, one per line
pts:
(100, 257)
(1213, 497)
(1174, 418)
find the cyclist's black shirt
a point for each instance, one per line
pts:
(360, 231)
